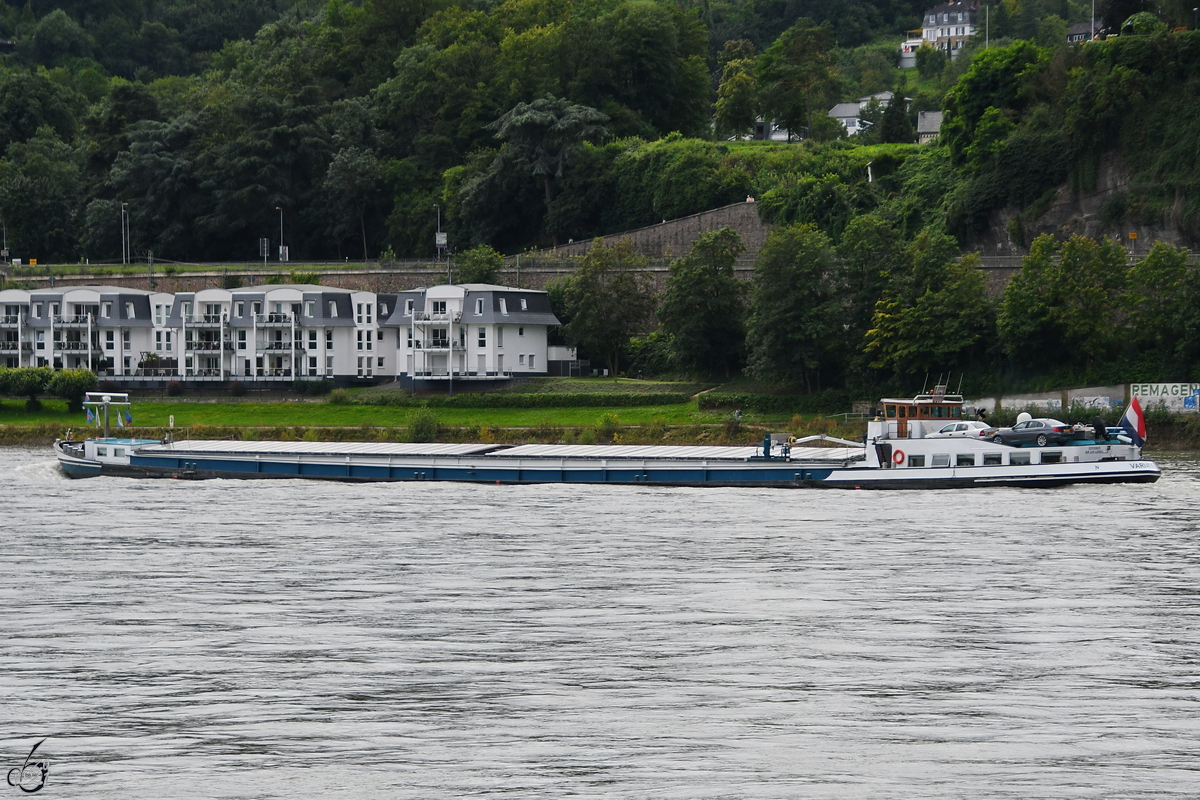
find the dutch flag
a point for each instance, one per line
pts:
(1134, 422)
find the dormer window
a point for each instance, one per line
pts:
(524, 304)
(408, 307)
(479, 306)
(503, 307)
(439, 306)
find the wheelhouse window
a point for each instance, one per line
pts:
(916, 461)
(964, 460)
(941, 459)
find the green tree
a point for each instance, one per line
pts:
(930, 61)
(72, 385)
(1155, 298)
(796, 322)
(608, 300)
(541, 138)
(353, 182)
(28, 382)
(737, 99)
(935, 317)
(796, 73)
(871, 253)
(480, 264)
(41, 191)
(702, 309)
(1027, 319)
(895, 127)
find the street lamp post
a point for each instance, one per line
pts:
(124, 234)
(280, 210)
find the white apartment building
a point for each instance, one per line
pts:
(471, 332)
(280, 333)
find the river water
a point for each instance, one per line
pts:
(283, 639)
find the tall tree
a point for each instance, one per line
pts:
(353, 183)
(608, 300)
(543, 137)
(796, 323)
(796, 73)
(937, 316)
(702, 308)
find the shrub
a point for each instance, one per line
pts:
(174, 389)
(237, 388)
(608, 427)
(422, 426)
(72, 385)
(339, 397)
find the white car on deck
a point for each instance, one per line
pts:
(972, 428)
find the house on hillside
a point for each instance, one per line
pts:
(948, 26)
(473, 332)
(850, 114)
(929, 125)
(1080, 32)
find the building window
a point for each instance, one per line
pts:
(332, 309)
(499, 336)
(368, 340)
(240, 308)
(359, 318)
(158, 315)
(256, 308)
(328, 340)
(187, 309)
(158, 342)
(503, 307)
(520, 331)
(370, 309)
(54, 309)
(241, 340)
(439, 306)
(382, 309)
(41, 340)
(310, 308)
(360, 367)
(483, 337)
(37, 309)
(408, 307)
(168, 341)
(360, 342)
(521, 359)
(479, 306)
(312, 340)
(524, 304)
(380, 362)
(110, 340)
(106, 310)
(531, 358)
(125, 343)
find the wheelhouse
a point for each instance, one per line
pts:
(938, 407)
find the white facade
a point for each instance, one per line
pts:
(280, 333)
(949, 26)
(476, 332)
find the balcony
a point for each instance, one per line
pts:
(10, 320)
(424, 316)
(70, 320)
(284, 372)
(278, 318)
(438, 345)
(207, 347)
(76, 347)
(280, 346)
(12, 347)
(204, 320)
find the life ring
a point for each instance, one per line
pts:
(898, 457)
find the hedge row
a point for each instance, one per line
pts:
(512, 400)
(830, 401)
